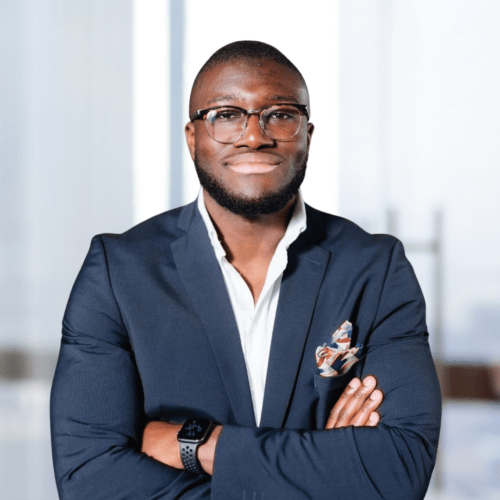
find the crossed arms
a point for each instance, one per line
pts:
(98, 418)
(356, 406)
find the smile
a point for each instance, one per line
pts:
(252, 168)
(253, 163)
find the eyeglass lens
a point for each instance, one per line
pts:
(278, 122)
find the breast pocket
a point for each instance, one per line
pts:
(329, 390)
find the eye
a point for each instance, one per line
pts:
(280, 116)
(224, 115)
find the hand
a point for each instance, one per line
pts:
(159, 441)
(357, 405)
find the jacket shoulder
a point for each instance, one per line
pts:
(152, 233)
(339, 232)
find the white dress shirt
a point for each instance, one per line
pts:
(256, 321)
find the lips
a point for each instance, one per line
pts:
(252, 163)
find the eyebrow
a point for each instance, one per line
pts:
(222, 98)
(282, 98)
(270, 97)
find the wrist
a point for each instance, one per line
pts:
(206, 452)
(193, 435)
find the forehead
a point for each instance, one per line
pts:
(249, 84)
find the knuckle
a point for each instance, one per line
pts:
(343, 397)
(333, 414)
(344, 414)
(365, 409)
(360, 394)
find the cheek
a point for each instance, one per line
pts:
(207, 156)
(297, 155)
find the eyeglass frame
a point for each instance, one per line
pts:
(201, 115)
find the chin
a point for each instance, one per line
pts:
(262, 203)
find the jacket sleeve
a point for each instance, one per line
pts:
(391, 461)
(97, 415)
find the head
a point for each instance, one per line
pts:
(256, 174)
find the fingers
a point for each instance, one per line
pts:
(367, 410)
(373, 420)
(357, 404)
(344, 398)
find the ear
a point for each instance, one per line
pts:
(310, 130)
(190, 138)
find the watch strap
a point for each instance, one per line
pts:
(189, 458)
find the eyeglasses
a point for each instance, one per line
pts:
(226, 124)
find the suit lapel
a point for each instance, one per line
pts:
(299, 290)
(202, 277)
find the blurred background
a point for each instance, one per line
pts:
(404, 95)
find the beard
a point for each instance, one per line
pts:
(250, 208)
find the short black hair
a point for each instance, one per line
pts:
(249, 50)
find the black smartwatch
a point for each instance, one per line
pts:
(194, 432)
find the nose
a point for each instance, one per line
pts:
(253, 136)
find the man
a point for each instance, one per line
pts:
(194, 347)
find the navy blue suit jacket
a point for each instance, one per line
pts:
(149, 334)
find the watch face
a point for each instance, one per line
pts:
(194, 430)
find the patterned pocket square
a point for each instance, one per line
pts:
(336, 355)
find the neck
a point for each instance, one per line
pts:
(248, 238)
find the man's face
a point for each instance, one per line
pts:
(255, 174)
